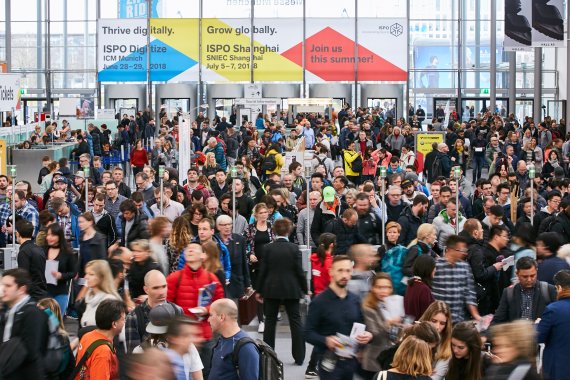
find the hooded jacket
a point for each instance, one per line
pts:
(444, 228)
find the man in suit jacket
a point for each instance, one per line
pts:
(281, 281)
(23, 320)
(527, 299)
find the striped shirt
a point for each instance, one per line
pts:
(454, 285)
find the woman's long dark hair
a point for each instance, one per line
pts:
(470, 367)
(423, 268)
(325, 241)
(55, 229)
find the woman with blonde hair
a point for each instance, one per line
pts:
(514, 346)
(377, 324)
(350, 197)
(212, 262)
(100, 284)
(422, 245)
(439, 315)
(210, 166)
(411, 361)
(180, 237)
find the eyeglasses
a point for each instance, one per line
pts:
(460, 250)
(224, 224)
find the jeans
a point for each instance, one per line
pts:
(344, 370)
(478, 165)
(271, 309)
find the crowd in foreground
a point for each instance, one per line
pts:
(439, 277)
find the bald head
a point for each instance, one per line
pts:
(225, 307)
(155, 287)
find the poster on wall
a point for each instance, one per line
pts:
(276, 53)
(9, 92)
(533, 23)
(123, 50)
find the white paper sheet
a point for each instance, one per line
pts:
(51, 266)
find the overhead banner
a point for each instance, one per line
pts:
(534, 23)
(123, 50)
(9, 92)
(276, 54)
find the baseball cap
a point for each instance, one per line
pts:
(406, 183)
(160, 316)
(411, 177)
(80, 174)
(61, 179)
(329, 194)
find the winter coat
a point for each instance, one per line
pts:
(183, 290)
(410, 224)
(554, 331)
(444, 228)
(320, 273)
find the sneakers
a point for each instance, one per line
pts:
(517, 26)
(261, 327)
(547, 19)
(311, 373)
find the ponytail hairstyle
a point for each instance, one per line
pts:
(325, 241)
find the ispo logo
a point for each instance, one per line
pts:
(396, 30)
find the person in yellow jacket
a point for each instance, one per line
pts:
(349, 156)
(279, 160)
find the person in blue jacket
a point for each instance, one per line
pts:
(554, 331)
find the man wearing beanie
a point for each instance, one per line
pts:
(547, 244)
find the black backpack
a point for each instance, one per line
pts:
(436, 169)
(356, 165)
(269, 163)
(270, 367)
(58, 353)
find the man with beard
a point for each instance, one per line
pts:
(325, 322)
(3, 187)
(411, 219)
(369, 225)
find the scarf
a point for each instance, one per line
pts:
(554, 163)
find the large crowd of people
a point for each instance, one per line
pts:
(459, 269)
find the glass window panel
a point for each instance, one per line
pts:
(435, 9)
(110, 9)
(25, 58)
(178, 9)
(74, 80)
(382, 9)
(226, 8)
(73, 27)
(433, 80)
(477, 10)
(329, 8)
(279, 8)
(26, 10)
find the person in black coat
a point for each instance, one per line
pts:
(134, 224)
(428, 161)
(411, 218)
(510, 305)
(142, 264)
(282, 281)
(31, 258)
(482, 257)
(346, 231)
(29, 325)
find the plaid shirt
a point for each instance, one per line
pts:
(454, 285)
(31, 214)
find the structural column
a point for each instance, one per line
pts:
(537, 105)
(512, 81)
(493, 52)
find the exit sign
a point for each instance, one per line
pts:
(484, 91)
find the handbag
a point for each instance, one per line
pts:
(12, 354)
(247, 309)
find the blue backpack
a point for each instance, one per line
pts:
(392, 263)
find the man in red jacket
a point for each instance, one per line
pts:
(194, 289)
